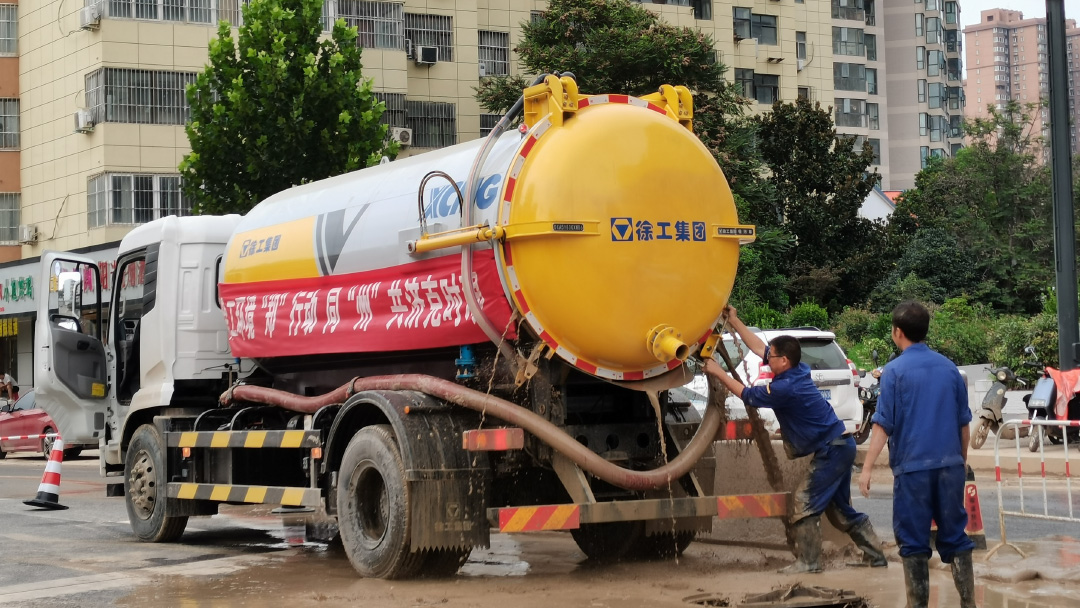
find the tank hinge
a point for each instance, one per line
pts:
(555, 98)
(677, 101)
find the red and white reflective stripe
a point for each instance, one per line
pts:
(1055, 422)
(851, 366)
(50, 481)
(18, 437)
(997, 473)
(1019, 469)
(572, 358)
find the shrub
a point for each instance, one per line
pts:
(808, 314)
(853, 325)
(762, 316)
(958, 331)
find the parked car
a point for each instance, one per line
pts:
(833, 373)
(23, 417)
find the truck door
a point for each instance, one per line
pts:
(70, 369)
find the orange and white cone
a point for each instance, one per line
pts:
(48, 494)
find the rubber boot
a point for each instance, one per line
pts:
(963, 574)
(807, 534)
(917, 580)
(867, 540)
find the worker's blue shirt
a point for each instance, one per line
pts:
(923, 407)
(806, 419)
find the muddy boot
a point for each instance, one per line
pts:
(917, 580)
(807, 547)
(867, 540)
(963, 574)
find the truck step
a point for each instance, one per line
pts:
(572, 516)
(269, 495)
(243, 439)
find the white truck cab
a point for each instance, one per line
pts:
(160, 338)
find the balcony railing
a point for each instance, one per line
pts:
(850, 83)
(846, 119)
(854, 49)
(848, 12)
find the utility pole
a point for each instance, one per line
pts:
(1061, 174)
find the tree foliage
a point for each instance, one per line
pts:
(277, 108)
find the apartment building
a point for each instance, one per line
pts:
(1007, 59)
(926, 100)
(860, 106)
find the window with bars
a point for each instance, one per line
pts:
(488, 122)
(139, 96)
(9, 217)
(379, 25)
(431, 30)
(9, 123)
(191, 11)
(494, 49)
(434, 123)
(535, 16)
(395, 112)
(9, 29)
(133, 198)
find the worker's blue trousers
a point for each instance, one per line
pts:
(922, 496)
(827, 489)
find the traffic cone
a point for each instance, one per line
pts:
(48, 493)
(974, 511)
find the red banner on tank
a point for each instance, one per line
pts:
(408, 307)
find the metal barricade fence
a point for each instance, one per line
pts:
(1039, 429)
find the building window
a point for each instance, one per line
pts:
(848, 41)
(431, 30)
(9, 123)
(850, 113)
(804, 93)
(872, 116)
(924, 156)
(434, 123)
(871, 12)
(741, 22)
(875, 145)
(932, 5)
(871, 47)
(849, 77)
(847, 9)
(937, 127)
(488, 122)
(133, 198)
(9, 29)
(935, 61)
(702, 9)
(924, 124)
(766, 88)
(139, 96)
(744, 82)
(494, 51)
(920, 58)
(951, 13)
(395, 113)
(750, 25)
(192, 11)
(936, 95)
(9, 217)
(933, 30)
(922, 90)
(919, 30)
(800, 45)
(871, 81)
(379, 25)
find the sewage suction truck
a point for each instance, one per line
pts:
(474, 339)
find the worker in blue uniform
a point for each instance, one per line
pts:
(810, 428)
(923, 413)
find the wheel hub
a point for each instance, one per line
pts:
(142, 483)
(374, 504)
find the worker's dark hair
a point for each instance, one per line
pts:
(913, 319)
(786, 346)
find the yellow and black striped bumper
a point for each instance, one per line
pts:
(243, 439)
(270, 495)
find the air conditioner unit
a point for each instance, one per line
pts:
(800, 63)
(28, 233)
(426, 55)
(408, 49)
(84, 121)
(483, 69)
(90, 17)
(401, 135)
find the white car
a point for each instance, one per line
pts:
(833, 373)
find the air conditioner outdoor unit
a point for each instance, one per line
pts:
(90, 17)
(801, 63)
(483, 69)
(408, 49)
(28, 233)
(401, 135)
(84, 121)
(426, 55)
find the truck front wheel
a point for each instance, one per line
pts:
(373, 507)
(145, 488)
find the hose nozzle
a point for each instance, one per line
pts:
(666, 344)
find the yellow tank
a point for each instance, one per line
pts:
(604, 223)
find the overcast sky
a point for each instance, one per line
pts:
(970, 9)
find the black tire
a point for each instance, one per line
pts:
(2, 454)
(442, 563)
(662, 546)
(978, 438)
(47, 443)
(72, 453)
(608, 542)
(373, 507)
(145, 488)
(865, 428)
(1035, 438)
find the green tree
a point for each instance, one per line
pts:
(821, 182)
(936, 257)
(277, 108)
(993, 198)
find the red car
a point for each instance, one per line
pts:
(24, 418)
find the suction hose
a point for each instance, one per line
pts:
(503, 410)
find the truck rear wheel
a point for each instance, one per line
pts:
(608, 542)
(662, 546)
(373, 507)
(145, 488)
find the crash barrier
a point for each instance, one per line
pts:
(1039, 429)
(48, 494)
(18, 437)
